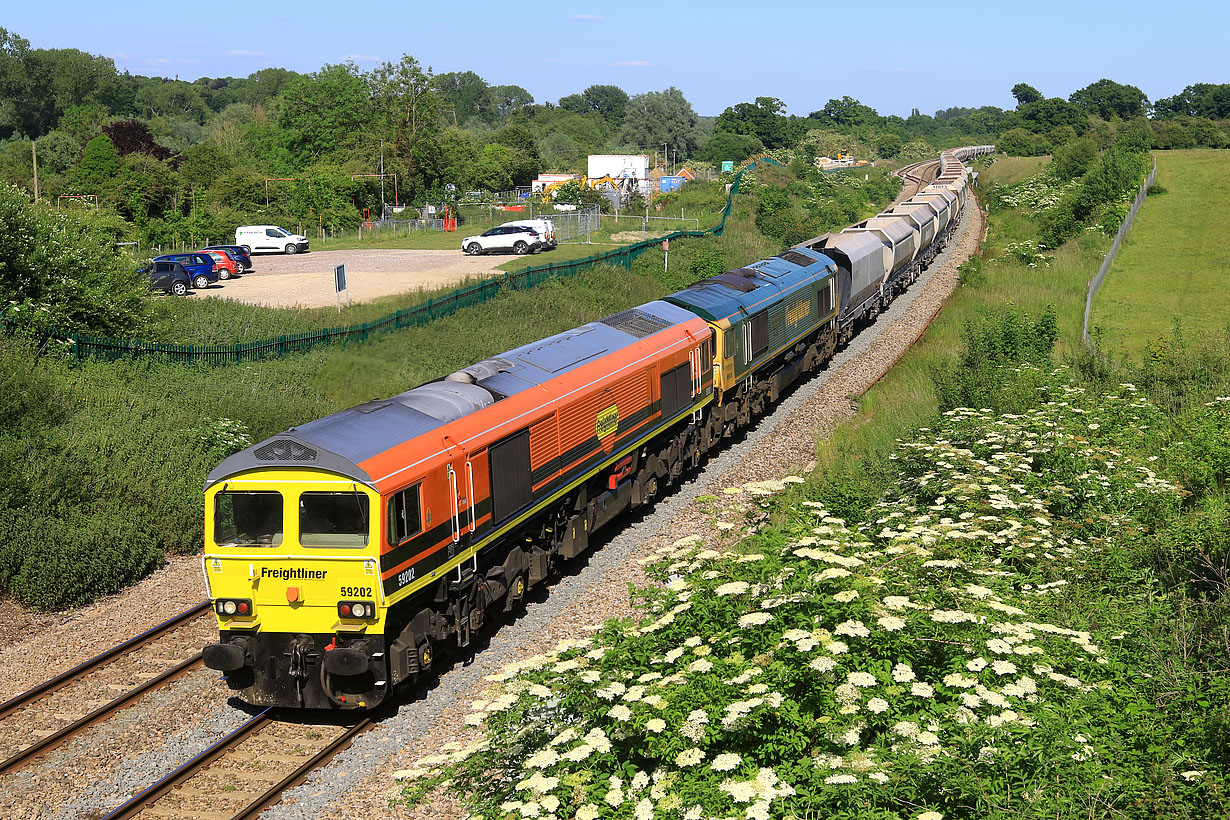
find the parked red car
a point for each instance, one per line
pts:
(224, 265)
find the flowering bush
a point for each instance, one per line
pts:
(900, 668)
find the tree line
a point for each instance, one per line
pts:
(178, 158)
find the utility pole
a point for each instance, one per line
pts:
(34, 155)
(381, 184)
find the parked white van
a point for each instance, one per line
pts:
(270, 239)
(545, 228)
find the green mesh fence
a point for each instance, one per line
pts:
(89, 346)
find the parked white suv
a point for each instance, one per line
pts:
(270, 239)
(516, 238)
(545, 228)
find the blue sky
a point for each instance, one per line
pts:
(717, 53)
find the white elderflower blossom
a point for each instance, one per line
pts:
(655, 725)
(861, 679)
(902, 673)
(619, 712)
(1003, 668)
(837, 647)
(958, 681)
(823, 664)
(839, 779)
(725, 762)
(852, 628)
(976, 665)
(845, 596)
(755, 619)
(922, 690)
(643, 810)
(877, 705)
(732, 588)
(891, 623)
(543, 759)
(700, 665)
(689, 757)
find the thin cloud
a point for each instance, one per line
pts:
(360, 58)
(632, 64)
(592, 18)
(240, 53)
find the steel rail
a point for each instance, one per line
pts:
(139, 802)
(274, 794)
(53, 740)
(65, 678)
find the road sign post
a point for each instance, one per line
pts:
(666, 255)
(339, 284)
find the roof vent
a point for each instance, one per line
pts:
(285, 450)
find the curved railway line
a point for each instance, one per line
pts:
(247, 770)
(919, 174)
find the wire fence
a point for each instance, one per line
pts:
(83, 346)
(1096, 282)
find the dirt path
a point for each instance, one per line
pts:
(306, 279)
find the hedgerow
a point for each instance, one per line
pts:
(931, 662)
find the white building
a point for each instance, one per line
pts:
(618, 165)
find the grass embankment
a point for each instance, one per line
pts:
(1015, 611)
(1175, 262)
(101, 464)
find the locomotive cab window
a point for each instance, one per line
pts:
(250, 519)
(333, 519)
(404, 515)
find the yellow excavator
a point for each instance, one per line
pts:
(623, 184)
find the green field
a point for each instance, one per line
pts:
(1175, 262)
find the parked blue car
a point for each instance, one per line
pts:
(200, 267)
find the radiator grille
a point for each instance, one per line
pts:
(285, 450)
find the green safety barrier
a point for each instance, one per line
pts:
(89, 346)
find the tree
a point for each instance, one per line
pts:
(57, 152)
(492, 169)
(762, 119)
(849, 112)
(464, 96)
(889, 145)
(1025, 94)
(203, 163)
(100, 165)
(407, 111)
(1048, 114)
(1110, 100)
(134, 137)
(321, 112)
(506, 100)
(724, 146)
(609, 101)
(172, 98)
(14, 84)
(658, 117)
(1199, 100)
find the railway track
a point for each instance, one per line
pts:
(918, 174)
(245, 772)
(53, 712)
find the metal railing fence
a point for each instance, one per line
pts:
(85, 345)
(1096, 282)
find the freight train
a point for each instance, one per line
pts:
(342, 554)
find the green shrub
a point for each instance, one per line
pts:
(981, 376)
(62, 273)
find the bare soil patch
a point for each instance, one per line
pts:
(306, 279)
